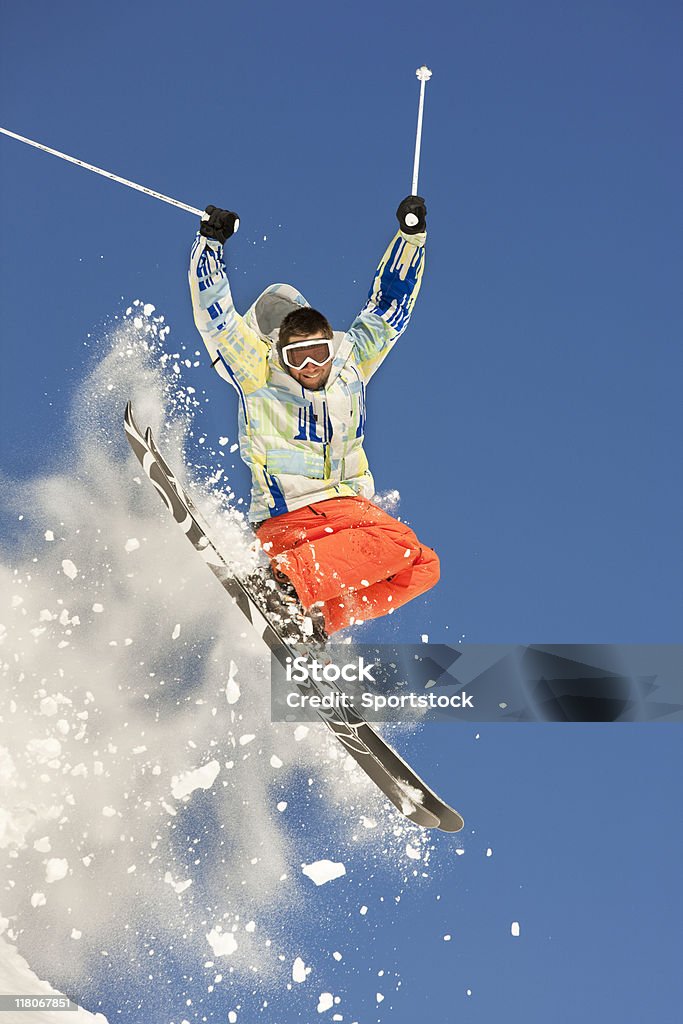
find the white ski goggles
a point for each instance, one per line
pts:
(298, 354)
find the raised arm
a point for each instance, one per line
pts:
(385, 315)
(237, 353)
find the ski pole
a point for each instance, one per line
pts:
(106, 174)
(424, 74)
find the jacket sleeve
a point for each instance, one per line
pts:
(390, 303)
(237, 353)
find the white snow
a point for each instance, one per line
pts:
(98, 608)
(49, 535)
(282, 805)
(69, 569)
(17, 977)
(322, 871)
(56, 869)
(232, 689)
(199, 778)
(337, 955)
(148, 309)
(363, 910)
(42, 845)
(413, 852)
(379, 997)
(325, 1002)
(447, 938)
(222, 943)
(275, 761)
(132, 544)
(299, 970)
(514, 929)
(44, 750)
(176, 631)
(177, 886)
(38, 899)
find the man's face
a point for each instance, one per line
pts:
(310, 376)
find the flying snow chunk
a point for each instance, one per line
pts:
(49, 535)
(275, 762)
(337, 955)
(38, 899)
(49, 706)
(326, 1002)
(412, 852)
(56, 869)
(42, 845)
(322, 871)
(132, 544)
(98, 608)
(223, 441)
(232, 1017)
(148, 309)
(176, 631)
(514, 929)
(300, 971)
(232, 689)
(222, 943)
(75, 934)
(199, 778)
(233, 448)
(379, 997)
(177, 886)
(447, 938)
(425, 638)
(282, 806)
(44, 750)
(69, 569)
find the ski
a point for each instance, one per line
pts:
(387, 769)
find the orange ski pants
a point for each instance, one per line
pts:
(351, 556)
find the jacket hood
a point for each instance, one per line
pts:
(265, 316)
(273, 304)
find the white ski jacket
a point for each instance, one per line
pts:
(301, 446)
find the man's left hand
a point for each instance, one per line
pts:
(412, 215)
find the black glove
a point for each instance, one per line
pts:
(416, 206)
(220, 225)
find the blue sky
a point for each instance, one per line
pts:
(530, 417)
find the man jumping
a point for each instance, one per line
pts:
(301, 389)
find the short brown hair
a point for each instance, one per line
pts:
(301, 322)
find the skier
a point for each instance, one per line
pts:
(337, 558)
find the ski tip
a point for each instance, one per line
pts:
(451, 822)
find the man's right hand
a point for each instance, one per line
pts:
(219, 225)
